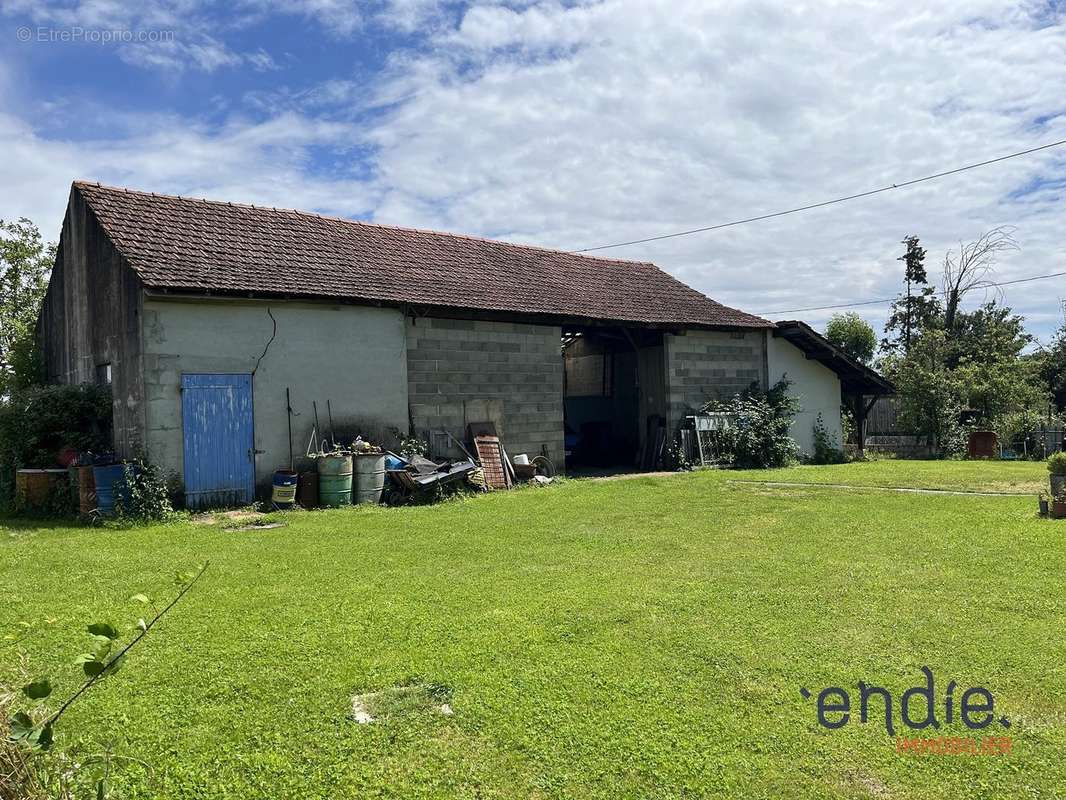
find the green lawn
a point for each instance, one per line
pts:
(632, 638)
(1022, 477)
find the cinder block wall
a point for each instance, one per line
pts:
(461, 371)
(703, 365)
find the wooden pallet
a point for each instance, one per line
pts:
(490, 453)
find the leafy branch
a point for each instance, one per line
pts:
(97, 664)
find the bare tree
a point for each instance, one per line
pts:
(972, 266)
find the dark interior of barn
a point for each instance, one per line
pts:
(603, 410)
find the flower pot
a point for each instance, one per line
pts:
(1058, 508)
(1044, 507)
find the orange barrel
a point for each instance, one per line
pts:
(34, 488)
(86, 490)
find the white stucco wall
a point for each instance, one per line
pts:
(354, 356)
(816, 386)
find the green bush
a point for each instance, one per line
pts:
(762, 436)
(37, 423)
(410, 446)
(149, 494)
(1056, 464)
(826, 450)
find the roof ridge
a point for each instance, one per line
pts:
(384, 226)
(173, 241)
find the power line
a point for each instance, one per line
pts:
(893, 299)
(824, 203)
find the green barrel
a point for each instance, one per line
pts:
(335, 480)
(369, 477)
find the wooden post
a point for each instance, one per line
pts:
(862, 410)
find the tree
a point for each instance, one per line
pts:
(1051, 364)
(931, 395)
(852, 334)
(989, 333)
(25, 263)
(985, 351)
(970, 268)
(915, 310)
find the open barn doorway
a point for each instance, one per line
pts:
(614, 399)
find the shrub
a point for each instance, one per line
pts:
(826, 450)
(677, 457)
(1056, 464)
(762, 437)
(411, 446)
(149, 494)
(35, 424)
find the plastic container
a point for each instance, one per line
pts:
(111, 485)
(283, 493)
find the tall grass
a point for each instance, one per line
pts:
(18, 778)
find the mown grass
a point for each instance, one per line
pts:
(1021, 477)
(635, 638)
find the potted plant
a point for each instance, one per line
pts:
(1058, 507)
(1056, 465)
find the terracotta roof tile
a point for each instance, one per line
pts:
(180, 243)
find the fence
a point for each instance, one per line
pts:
(1037, 444)
(883, 418)
(884, 432)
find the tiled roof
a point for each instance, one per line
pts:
(185, 244)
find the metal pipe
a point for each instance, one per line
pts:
(314, 405)
(288, 418)
(329, 412)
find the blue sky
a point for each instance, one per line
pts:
(570, 124)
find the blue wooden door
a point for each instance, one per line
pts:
(216, 413)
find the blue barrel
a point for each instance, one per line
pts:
(111, 483)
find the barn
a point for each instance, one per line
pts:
(223, 327)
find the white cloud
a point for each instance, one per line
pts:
(339, 17)
(414, 15)
(650, 117)
(577, 124)
(160, 34)
(156, 34)
(260, 162)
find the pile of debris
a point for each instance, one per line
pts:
(363, 472)
(486, 467)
